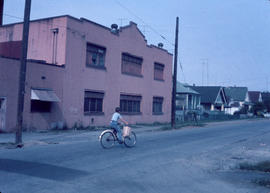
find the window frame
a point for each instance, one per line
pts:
(130, 104)
(157, 101)
(131, 61)
(159, 67)
(95, 49)
(93, 98)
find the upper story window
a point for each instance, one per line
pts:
(158, 71)
(95, 56)
(131, 65)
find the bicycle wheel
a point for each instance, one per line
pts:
(107, 140)
(130, 140)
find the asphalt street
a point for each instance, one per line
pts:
(189, 160)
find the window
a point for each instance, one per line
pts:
(42, 99)
(93, 102)
(131, 65)
(158, 71)
(40, 106)
(95, 56)
(157, 105)
(130, 104)
(1, 102)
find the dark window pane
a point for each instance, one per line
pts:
(130, 104)
(92, 105)
(40, 106)
(93, 101)
(86, 105)
(157, 104)
(99, 105)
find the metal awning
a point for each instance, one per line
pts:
(44, 95)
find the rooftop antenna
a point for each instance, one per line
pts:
(121, 21)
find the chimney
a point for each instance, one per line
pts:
(160, 45)
(1, 11)
(114, 28)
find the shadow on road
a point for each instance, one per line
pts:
(40, 170)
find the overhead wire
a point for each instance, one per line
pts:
(139, 18)
(45, 23)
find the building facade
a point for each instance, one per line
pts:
(99, 68)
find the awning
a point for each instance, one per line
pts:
(44, 95)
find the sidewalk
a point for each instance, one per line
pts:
(7, 140)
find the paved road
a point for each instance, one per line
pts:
(190, 160)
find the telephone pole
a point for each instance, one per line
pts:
(174, 75)
(22, 77)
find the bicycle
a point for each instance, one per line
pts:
(108, 138)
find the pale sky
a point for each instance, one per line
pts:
(224, 43)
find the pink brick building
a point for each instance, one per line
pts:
(84, 70)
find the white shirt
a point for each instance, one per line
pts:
(116, 116)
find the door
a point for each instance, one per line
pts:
(3, 113)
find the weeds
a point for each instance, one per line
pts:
(261, 166)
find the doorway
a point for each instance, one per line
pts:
(3, 107)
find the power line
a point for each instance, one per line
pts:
(12, 16)
(182, 71)
(150, 27)
(55, 25)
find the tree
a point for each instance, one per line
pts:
(267, 105)
(258, 108)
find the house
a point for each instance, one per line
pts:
(265, 96)
(187, 98)
(212, 97)
(266, 100)
(187, 102)
(237, 98)
(255, 96)
(78, 71)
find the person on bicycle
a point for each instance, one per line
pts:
(116, 117)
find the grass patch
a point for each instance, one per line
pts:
(179, 126)
(261, 166)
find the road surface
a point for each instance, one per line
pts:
(190, 160)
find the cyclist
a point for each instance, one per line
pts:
(116, 117)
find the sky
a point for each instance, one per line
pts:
(221, 43)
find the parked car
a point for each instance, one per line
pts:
(266, 115)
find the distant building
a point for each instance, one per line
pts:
(212, 97)
(187, 98)
(188, 102)
(265, 96)
(237, 98)
(78, 71)
(255, 96)
(266, 100)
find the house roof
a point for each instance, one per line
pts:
(265, 96)
(182, 89)
(208, 93)
(236, 93)
(254, 96)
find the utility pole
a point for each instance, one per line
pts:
(22, 77)
(1, 11)
(174, 75)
